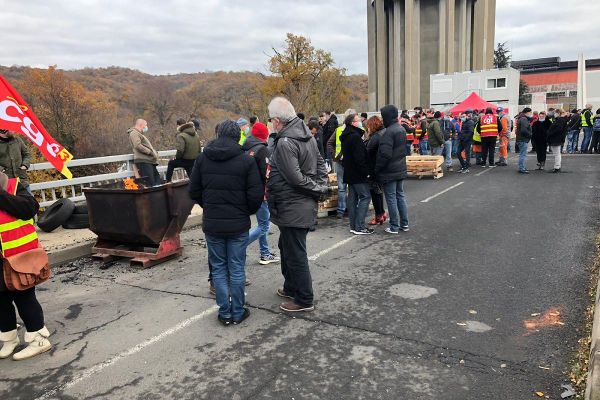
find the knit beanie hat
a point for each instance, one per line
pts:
(229, 129)
(241, 122)
(260, 131)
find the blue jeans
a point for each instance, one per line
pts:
(227, 257)
(572, 137)
(587, 138)
(262, 230)
(448, 152)
(522, 154)
(424, 146)
(396, 204)
(359, 197)
(339, 170)
(454, 147)
(437, 151)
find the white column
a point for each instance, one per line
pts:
(372, 44)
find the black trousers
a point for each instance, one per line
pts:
(540, 150)
(294, 265)
(595, 146)
(149, 173)
(377, 199)
(488, 148)
(466, 146)
(29, 308)
(188, 165)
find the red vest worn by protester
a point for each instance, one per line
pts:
(489, 125)
(17, 236)
(409, 136)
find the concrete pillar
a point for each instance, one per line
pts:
(398, 61)
(442, 35)
(372, 43)
(382, 59)
(461, 35)
(392, 55)
(483, 37)
(450, 35)
(429, 46)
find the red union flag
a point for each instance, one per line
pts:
(16, 116)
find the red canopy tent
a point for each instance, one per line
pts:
(473, 102)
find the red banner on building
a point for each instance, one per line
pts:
(16, 116)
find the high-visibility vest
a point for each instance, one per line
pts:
(338, 142)
(16, 235)
(409, 136)
(488, 125)
(583, 119)
(242, 137)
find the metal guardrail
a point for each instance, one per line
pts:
(51, 191)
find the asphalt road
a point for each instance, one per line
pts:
(436, 313)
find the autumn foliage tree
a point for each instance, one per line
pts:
(307, 76)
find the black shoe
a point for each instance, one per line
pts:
(225, 321)
(365, 231)
(245, 316)
(556, 171)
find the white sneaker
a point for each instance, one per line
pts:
(271, 258)
(10, 341)
(389, 230)
(38, 344)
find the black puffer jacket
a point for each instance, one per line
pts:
(390, 164)
(372, 148)
(257, 149)
(227, 185)
(557, 132)
(356, 166)
(298, 177)
(329, 128)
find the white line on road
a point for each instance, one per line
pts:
(442, 192)
(135, 349)
(484, 171)
(335, 246)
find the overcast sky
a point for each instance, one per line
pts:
(171, 36)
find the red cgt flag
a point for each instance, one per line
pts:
(16, 116)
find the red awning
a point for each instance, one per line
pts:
(473, 102)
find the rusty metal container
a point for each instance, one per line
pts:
(143, 224)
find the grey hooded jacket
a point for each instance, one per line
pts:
(298, 177)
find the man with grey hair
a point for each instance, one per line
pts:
(297, 179)
(334, 147)
(145, 158)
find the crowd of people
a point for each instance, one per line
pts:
(279, 172)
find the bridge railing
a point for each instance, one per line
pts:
(51, 191)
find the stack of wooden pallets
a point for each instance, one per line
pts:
(330, 204)
(428, 166)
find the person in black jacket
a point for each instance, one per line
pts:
(256, 146)
(556, 137)
(22, 206)
(390, 169)
(227, 185)
(356, 174)
(539, 131)
(317, 132)
(297, 179)
(329, 128)
(465, 141)
(375, 130)
(573, 127)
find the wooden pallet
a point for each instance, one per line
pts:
(419, 166)
(435, 173)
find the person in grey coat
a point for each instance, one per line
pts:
(297, 179)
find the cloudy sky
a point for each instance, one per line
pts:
(171, 36)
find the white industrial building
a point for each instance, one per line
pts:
(498, 86)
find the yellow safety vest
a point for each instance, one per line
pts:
(242, 137)
(583, 120)
(338, 142)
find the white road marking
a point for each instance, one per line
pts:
(427, 200)
(335, 246)
(484, 171)
(133, 350)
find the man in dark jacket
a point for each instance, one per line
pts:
(14, 157)
(297, 180)
(317, 131)
(226, 184)
(436, 136)
(390, 169)
(524, 134)
(573, 127)
(188, 148)
(465, 141)
(256, 146)
(587, 125)
(356, 174)
(329, 128)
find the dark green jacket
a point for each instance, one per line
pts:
(434, 130)
(188, 142)
(13, 155)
